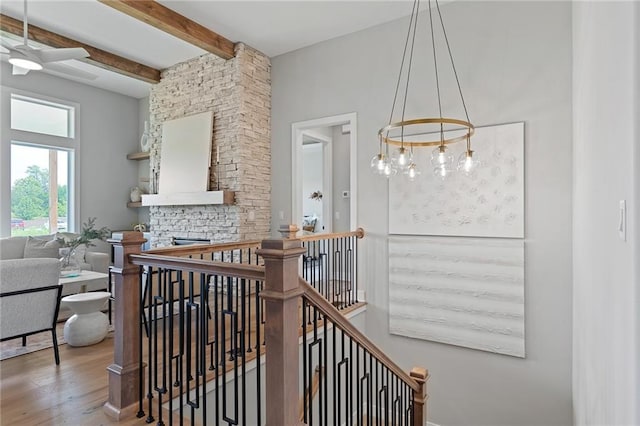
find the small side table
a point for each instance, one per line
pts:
(88, 325)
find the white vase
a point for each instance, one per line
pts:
(145, 141)
(136, 194)
(69, 266)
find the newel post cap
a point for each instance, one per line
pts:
(280, 249)
(288, 231)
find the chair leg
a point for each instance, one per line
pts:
(56, 353)
(24, 340)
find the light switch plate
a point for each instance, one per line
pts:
(622, 220)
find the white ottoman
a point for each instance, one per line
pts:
(88, 325)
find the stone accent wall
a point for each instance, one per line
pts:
(238, 91)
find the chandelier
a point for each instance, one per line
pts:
(399, 138)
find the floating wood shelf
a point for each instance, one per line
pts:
(138, 156)
(135, 205)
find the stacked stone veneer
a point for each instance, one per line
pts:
(238, 91)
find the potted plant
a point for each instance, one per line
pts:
(70, 242)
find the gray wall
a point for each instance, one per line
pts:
(606, 287)
(514, 62)
(108, 131)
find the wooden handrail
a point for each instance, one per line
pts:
(203, 248)
(192, 249)
(236, 270)
(327, 309)
(316, 237)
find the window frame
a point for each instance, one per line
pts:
(8, 136)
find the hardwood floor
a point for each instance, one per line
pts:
(34, 391)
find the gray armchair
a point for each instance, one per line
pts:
(29, 299)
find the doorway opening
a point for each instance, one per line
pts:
(324, 192)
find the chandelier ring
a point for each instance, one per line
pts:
(470, 129)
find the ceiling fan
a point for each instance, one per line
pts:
(25, 58)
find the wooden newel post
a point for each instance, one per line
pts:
(124, 373)
(420, 375)
(282, 322)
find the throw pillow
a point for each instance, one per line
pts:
(36, 247)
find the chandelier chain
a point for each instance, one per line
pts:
(435, 66)
(404, 55)
(453, 65)
(406, 89)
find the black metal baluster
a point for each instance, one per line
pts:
(304, 359)
(242, 350)
(378, 394)
(170, 356)
(203, 337)
(350, 385)
(370, 391)
(141, 277)
(258, 375)
(150, 337)
(217, 349)
(358, 394)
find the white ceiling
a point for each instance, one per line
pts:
(273, 27)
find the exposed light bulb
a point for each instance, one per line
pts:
(468, 162)
(441, 158)
(412, 172)
(402, 157)
(378, 163)
(390, 169)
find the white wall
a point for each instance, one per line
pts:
(514, 62)
(341, 180)
(108, 131)
(606, 121)
(312, 165)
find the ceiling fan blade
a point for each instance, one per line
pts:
(6, 45)
(70, 71)
(19, 71)
(62, 54)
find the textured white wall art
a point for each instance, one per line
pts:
(490, 203)
(461, 291)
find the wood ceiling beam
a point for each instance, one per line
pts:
(165, 19)
(97, 57)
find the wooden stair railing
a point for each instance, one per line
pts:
(415, 380)
(280, 293)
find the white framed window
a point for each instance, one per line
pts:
(39, 158)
